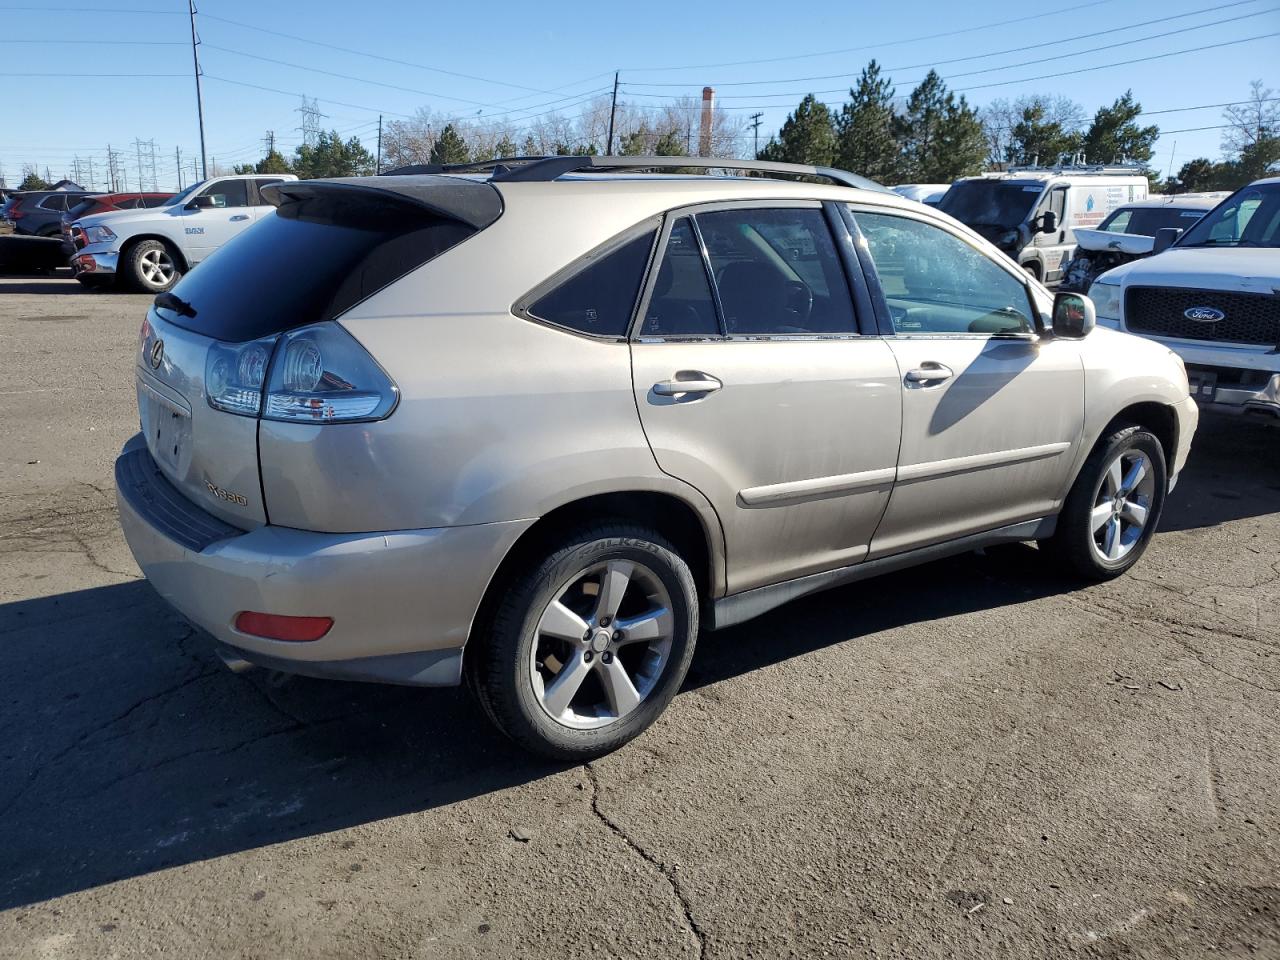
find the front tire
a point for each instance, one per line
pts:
(151, 267)
(589, 644)
(1113, 509)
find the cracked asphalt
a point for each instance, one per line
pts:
(973, 758)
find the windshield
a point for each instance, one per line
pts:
(1145, 221)
(182, 197)
(991, 203)
(1250, 217)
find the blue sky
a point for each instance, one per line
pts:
(522, 60)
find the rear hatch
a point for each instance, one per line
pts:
(332, 244)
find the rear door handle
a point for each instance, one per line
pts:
(240, 216)
(929, 373)
(691, 381)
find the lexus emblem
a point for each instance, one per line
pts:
(1204, 314)
(157, 353)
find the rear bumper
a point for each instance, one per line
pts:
(402, 602)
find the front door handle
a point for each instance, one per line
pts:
(239, 216)
(687, 381)
(930, 373)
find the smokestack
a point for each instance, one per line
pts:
(704, 132)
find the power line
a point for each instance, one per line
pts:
(346, 76)
(373, 56)
(873, 46)
(150, 13)
(997, 83)
(129, 43)
(999, 53)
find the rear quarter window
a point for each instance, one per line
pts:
(599, 297)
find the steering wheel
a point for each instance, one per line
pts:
(799, 299)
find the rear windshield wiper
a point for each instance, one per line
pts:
(171, 301)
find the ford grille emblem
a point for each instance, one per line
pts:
(1204, 314)
(157, 353)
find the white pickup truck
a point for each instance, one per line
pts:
(1213, 296)
(150, 249)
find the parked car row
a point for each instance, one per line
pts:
(148, 249)
(144, 241)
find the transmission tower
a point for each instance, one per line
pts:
(114, 169)
(311, 117)
(146, 163)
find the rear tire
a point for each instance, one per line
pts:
(150, 266)
(1113, 509)
(589, 643)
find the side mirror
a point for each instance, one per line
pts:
(202, 202)
(1165, 237)
(1073, 316)
(1048, 222)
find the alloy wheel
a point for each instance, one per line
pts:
(1122, 505)
(156, 267)
(602, 643)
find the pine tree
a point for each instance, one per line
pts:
(942, 137)
(450, 147)
(1115, 135)
(1036, 139)
(865, 140)
(807, 136)
(506, 147)
(331, 156)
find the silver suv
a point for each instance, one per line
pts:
(535, 425)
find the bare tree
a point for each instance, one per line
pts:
(684, 116)
(1251, 121)
(1000, 117)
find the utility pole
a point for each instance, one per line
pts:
(613, 112)
(377, 164)
(195, 59)
(177, 159)
(755, 132)
(75, 166)
(92, 184)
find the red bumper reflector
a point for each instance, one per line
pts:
(273, 626)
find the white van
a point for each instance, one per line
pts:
(1032, 213)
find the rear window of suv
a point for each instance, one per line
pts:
(312, 261)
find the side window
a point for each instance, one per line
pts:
(263, 182)
(777, 272)
(55, 201)
(229, 193)
(129, 203)
(1058, 203)
(600, 298)
(154, 201)
(935, 282)
(681, 304)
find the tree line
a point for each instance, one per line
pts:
(932, 135)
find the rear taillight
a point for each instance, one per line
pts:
(320, 374)
(234, 374)
(315, 374)
(15, 212)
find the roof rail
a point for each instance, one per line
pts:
(545, 169)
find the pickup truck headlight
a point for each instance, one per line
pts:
(1106, 300)
(99, 233)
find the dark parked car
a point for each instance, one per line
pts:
(39, 213)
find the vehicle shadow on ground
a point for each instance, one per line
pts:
(128, 748)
